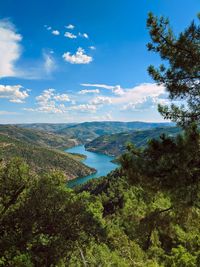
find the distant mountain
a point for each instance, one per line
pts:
(24, 143)
(87, 131)
(49, 127)
(37, 137)
(115, 144)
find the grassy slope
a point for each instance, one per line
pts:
(115, 144)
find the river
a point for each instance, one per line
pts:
(102, 163)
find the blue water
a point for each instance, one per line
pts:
(102, 163)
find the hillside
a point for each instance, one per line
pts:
(37, 137)
(49, 127)
(40, 158)
(87, 131)
(115, 144)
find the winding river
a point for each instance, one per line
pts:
(102, 163)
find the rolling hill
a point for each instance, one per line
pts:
(37, 137)
(39, 152)
(87, 131)
(115, 144)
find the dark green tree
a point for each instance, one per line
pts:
(42, 222)
(181, 74)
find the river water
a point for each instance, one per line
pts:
(102, 163)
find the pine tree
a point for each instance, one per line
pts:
(181, 76)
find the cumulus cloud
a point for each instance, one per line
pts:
(116, 89)
(10, 49)
(78, 58)
(141, 93)
(13, 93)
(62, 98)
(84, 108)
(86, 91)
(70, 27)
(70, 35)
(55, 32)
(100, 100)
(143, 97)
(50, 102)
(142, 104)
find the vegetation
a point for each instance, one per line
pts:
(181, 76)
(37, 137)
(146, 213)
(42, 159)
(115, 144)
(87, 131)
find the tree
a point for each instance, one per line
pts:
(42, 222)
(181, 76)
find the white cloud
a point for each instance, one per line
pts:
(10, 49)
(13, 93)
(142, 104)
(139, 98)
(70, 35)
(49, 63)
(55, 32)
(62, 98)
(116, 89)
(49, 102)
(78, 58)
(86, 91)
(140, 93)
(97, 85)
(92, 47)
(70, 27)
(85, 35)
(48, 27)
(84, 108)
(100, 100)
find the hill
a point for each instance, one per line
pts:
(49, 127)
(37, 137)
(115, 144)
(87, 131)
(41, 158)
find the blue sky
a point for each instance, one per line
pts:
(75, 60)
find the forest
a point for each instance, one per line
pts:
(145, 213)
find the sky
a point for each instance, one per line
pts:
(82, 60)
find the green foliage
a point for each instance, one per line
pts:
(115, 144)
(41, 219)
(181, 76)
(146, 213)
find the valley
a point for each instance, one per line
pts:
(61, 146)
